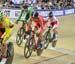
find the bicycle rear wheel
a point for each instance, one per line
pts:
(20, 36)
(39, 48)
(54, 43)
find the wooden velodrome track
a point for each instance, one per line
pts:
(65, 49)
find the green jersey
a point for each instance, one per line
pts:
(25, 15)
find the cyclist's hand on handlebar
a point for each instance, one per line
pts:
(49, 26)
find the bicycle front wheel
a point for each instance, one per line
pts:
(20, 36)
(28, 47)
(39, 50)
(47, 37)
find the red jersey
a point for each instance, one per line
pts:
(38, 21)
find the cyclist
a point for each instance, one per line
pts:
(38, 21)
(53, 21)
(25, 14)
(6, 28)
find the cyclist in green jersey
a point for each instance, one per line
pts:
(25, 15)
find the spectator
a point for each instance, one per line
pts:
(69, 4)
(74, 3)
(50, 5)
(6, 4)
(45, 1)
(38, 5)
(42, 4)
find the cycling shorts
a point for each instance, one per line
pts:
(2, 30)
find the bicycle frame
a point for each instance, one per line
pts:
(33, 34)
(49, 28)
(47, 37)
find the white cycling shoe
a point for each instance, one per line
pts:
(3, 61)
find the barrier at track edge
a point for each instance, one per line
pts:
(14, 13)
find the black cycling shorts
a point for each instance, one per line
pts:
(2, 30)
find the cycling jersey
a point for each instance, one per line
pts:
(53, 21)
(6, 27)
(39, 22)
(6, 22)
(25, 15)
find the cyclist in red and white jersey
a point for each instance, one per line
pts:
(54, 22)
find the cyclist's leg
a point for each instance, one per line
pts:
(26, 27)
(55, 37)
(2, 30)
(4, 45)
(8, 34)
(41, 37)
(35, 29)
(55, 32)
(40, 33)
(0, 33)
(4, 52)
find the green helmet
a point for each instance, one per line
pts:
(1, 14)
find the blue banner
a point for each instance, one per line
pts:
(14, 13)
(69, 11)
(57, 12)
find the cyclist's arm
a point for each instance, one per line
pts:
(3, 35)
(41, 22)
(30, 20)
(20, 15)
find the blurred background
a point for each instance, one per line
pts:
(39, 4)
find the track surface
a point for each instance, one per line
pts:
(64, 53)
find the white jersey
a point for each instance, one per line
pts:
(53, 21)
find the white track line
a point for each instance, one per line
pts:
(61, 50)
